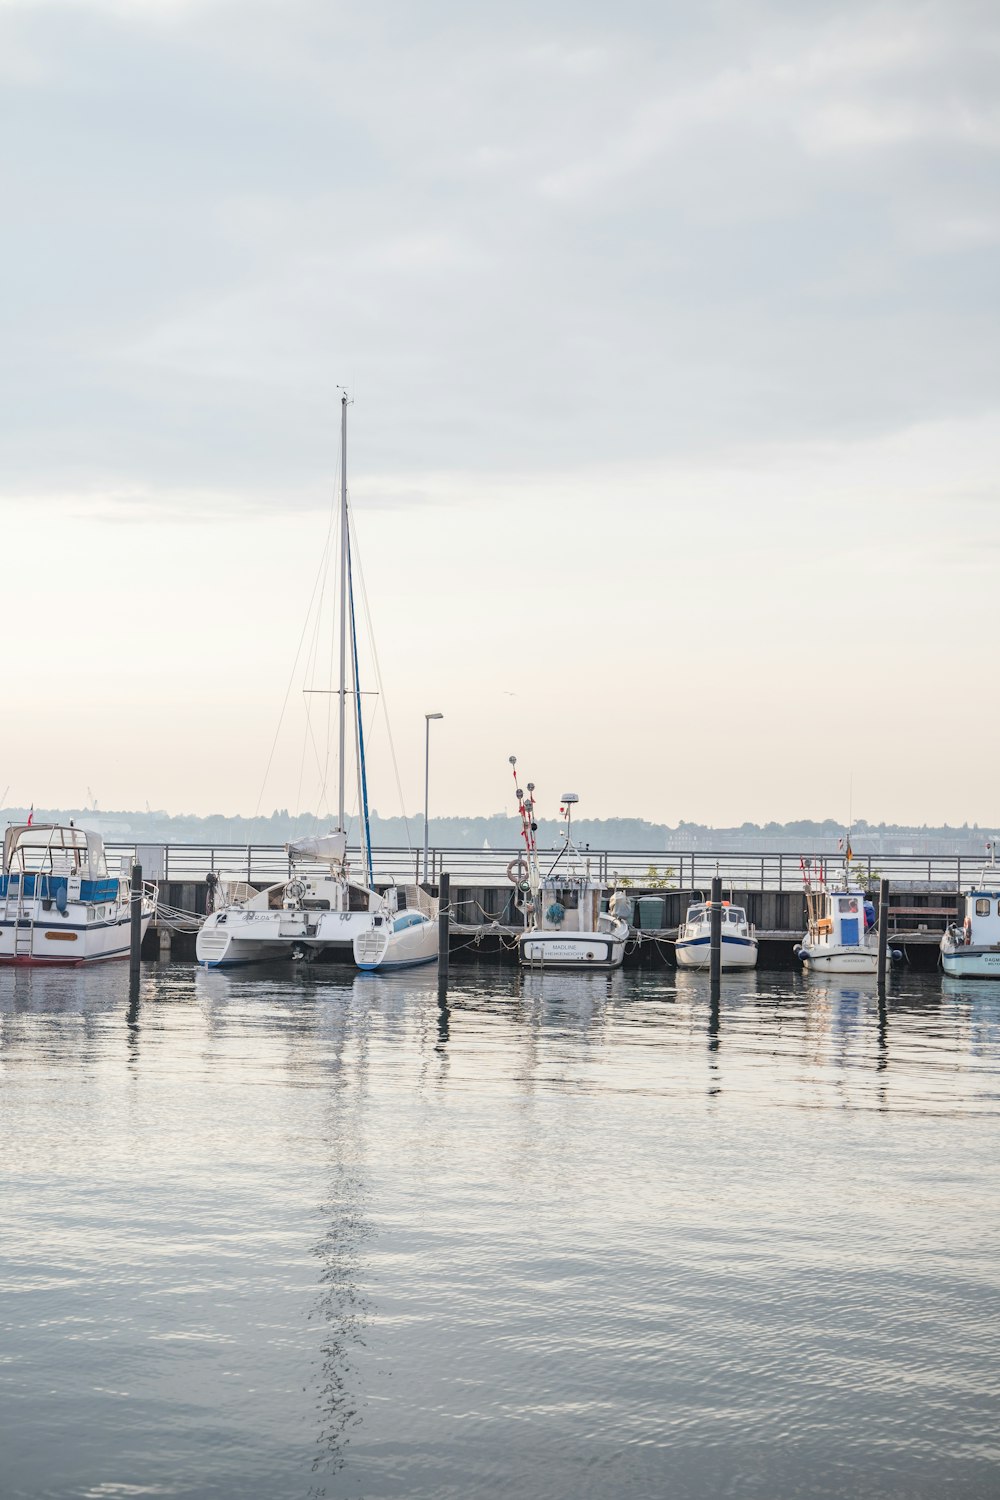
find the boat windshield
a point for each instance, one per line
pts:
(56, 851)
(696, 913)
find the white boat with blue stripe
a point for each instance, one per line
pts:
(694, 938)
(59, 906)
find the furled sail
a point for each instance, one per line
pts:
(331, 848)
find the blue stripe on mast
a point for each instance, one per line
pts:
(361, 732)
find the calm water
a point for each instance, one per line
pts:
(306, 1235)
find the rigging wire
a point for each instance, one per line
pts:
(379, 682)
(320, 578)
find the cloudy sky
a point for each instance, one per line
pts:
(672, 336)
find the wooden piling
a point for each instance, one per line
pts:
(715, 935)
(135, 943)
(444, 925)
(883, 931)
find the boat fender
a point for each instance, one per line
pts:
(800, 951)
(897, 955)
(61, 900)
(968, 930)
(517, 870)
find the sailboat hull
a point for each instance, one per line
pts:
(234, 937)
(401, 942)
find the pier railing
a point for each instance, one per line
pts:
(641, 868)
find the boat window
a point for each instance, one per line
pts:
(696, 914)
(568, 899)
(848, 904)
(982, 907)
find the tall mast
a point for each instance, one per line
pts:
(342, 823)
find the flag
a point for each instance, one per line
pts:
(840, 843)
(31, 815)
(849, 852)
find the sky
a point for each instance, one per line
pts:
(671, 337)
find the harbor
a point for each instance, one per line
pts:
(925, 896)
(500, 882)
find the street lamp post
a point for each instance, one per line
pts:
(427, 782)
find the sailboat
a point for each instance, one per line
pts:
(564, 926)
(324, 906)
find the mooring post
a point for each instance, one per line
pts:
(715, 935)
(883, 930)
(135, 945)
(444, 925)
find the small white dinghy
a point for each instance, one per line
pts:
(58, 903)
(399, 937)
(564, 926)
(694, 938)
(842, 938)
(972, 951)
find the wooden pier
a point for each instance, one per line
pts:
(485, 922)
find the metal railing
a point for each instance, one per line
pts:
(642, 868)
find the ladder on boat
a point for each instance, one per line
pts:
(24, 926)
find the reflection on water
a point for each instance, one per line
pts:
(314, 1233)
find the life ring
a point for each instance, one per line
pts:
(517, 870)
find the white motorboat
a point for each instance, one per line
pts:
(841, 938)
(564, 926)
(694, 938)
(58, 903)
(322, 907)
(973, 950)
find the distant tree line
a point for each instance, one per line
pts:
(502, 831)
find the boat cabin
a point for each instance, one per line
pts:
(55, 862)
(568, 903)
(837, 917)
(982, 916)
(734, 919)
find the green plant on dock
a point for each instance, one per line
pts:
(653, 880)
(861, 875)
